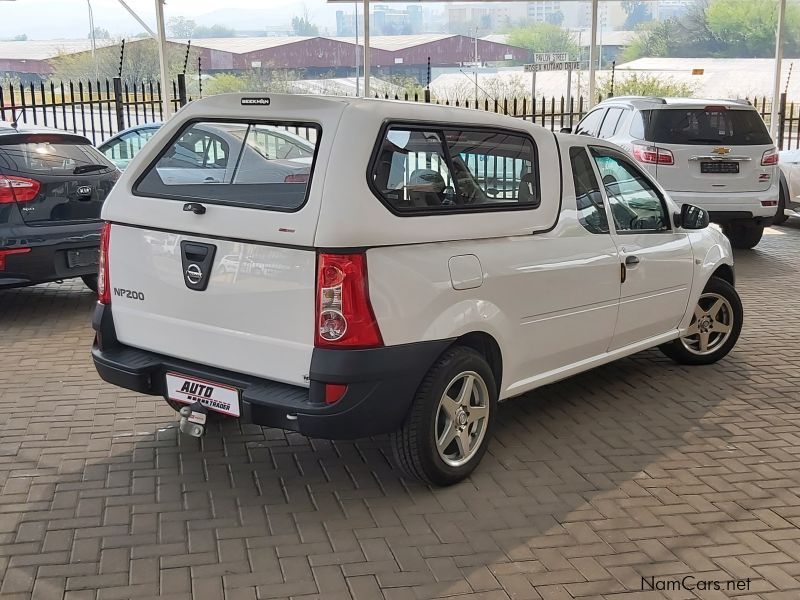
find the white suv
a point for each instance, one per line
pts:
(715, 154)
(431, 262)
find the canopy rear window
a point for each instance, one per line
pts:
(709, 125)
(265, 165)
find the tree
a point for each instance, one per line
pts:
(638, 84)
(215, 31)
(653, 39)
(140, 62)
(100, 34)
(637, 12)
(303, 25)
(543, 37)
(747, 29)
(719, 28)
(22, 37)
(181, 27)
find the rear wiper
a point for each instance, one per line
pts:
(707, 140)
(88, 168)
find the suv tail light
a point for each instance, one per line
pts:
(344, 313)
(652, 155)
(103, 282)
(769, 158)
(9, 252)
(20, 189)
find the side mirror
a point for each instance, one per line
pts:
(566, 130)
(692, 217)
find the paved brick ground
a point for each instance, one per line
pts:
(640, 468)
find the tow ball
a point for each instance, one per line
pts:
(193, 419)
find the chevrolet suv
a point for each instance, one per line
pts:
(716, 154)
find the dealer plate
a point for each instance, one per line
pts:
(214, 396)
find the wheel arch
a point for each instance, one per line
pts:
(725, 272)
(487, 346)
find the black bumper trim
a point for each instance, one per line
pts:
(381, 383)
(723, 217)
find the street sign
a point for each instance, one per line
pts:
(569, 65)
(548, 57)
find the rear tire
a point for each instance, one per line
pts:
(780, 216)
(90, 281)
(744, 235)
(714, 329)
(448, 427)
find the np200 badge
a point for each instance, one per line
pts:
(132, 294)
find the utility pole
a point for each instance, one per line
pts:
(166, 106)
(476, 66)
(593, 56)
(92, 38)
(355, 23)
(776, 82)
(366, 49)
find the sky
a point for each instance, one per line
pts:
(50, 19)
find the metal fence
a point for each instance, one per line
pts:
(100, 109)
(96, 109)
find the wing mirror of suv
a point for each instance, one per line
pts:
(692, 217)
(566, 130)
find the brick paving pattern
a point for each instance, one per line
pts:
(637, 469)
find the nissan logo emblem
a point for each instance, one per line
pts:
(194, 274)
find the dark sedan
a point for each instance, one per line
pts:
(52, 187)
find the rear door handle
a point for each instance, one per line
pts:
(631, 261)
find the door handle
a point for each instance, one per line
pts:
(194, 207)
(631, 261)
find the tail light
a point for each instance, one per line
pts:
(20, 189)
(344, 313)
(103, 282)
(296, 178)
(334, 392)
(769, 158)
(652, 155)
(10, 251)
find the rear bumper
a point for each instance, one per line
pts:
(381, 384)
(46, 259)
(725, 207)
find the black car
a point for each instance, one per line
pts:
(52, 187)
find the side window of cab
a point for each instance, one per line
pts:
(589, 199)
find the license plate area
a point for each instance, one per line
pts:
(214, 396)
(86, 257)
(719, 167)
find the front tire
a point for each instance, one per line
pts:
(743, 235)
(448, 427)
(90, 281)
(715, 327)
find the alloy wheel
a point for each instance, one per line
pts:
(461, 418)
(711, 325)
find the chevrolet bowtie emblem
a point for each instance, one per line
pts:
(722, 150)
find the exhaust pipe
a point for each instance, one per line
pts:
(193, 419)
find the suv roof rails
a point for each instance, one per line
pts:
(649, 98)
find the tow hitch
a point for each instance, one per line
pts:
(193, 419)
